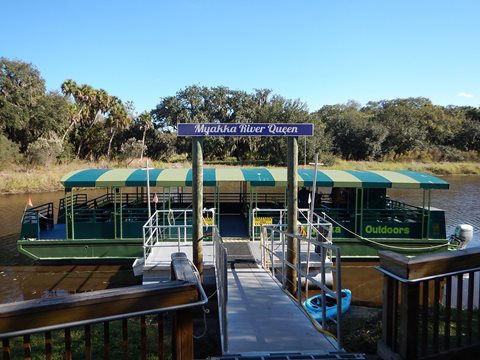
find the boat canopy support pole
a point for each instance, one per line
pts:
(359, 211)
(426, 213)
(121, 213)
(114, 212)
(67, 218)
(71, 215)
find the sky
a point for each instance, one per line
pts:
(320, 52)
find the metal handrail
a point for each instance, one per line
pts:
(272, 239)
(317, 224)
(221, 266)
(156, 231)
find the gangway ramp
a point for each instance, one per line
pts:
(262, 318)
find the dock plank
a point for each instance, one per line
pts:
(262, 318)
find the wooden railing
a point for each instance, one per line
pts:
(430, 305)
(110, 324)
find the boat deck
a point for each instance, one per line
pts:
(57, 232)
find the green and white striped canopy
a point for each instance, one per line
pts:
(403, 179)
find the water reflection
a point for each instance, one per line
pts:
(22, 279)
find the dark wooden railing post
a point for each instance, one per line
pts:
(106, 340)
(48, 345)
(161, 345)
(183, 335)
(125, 338)
(68, 344)
(27, 347)
(143, 338)
(6, 349)
(408, 333)
(389, 312)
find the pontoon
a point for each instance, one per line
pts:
(239, 201)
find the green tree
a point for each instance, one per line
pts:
(45, 150)
(354, 134)
(467, 136)
(92, 112)
(9, 151)
(197, 104)
(27, 112)
(118, 119)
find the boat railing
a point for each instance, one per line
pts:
(230, 197)
(318, 225)
(274, 259)
(100, 201)
(430, 305)
(68, 202)
(393, 215)
(279, 216)
(172, 225)
(134, 322)
(92, 215)
(339, 214)
(266, 217)
(106, 201)
(399, 205)
(36, 219)
(221, 267)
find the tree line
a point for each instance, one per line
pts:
(78, 121)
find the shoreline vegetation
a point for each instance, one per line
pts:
(20, 179)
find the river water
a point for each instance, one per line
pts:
(22, 279)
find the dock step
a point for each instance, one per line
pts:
(291, 356)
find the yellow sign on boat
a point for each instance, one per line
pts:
(207, 221)
(262, 220)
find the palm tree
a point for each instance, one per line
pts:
(70, 88)
(117, 119)
(146, 123)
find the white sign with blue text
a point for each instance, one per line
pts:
(209, 129)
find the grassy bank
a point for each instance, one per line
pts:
(22, 179)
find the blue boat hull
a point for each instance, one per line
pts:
(314, 305)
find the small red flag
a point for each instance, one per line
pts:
(29, 202)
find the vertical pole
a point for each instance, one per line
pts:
(292, 206)
(121, 213)
(115, 218)
(305, 153)
(71, 213)
(312, 199)
(197, 202)
(148, 193)
(429, 199)
(65, 207)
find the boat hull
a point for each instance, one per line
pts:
(352, 248)
(132, 248)
(85, 249)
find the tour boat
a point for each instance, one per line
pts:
(353, 206)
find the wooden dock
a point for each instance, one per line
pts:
(261, 318)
